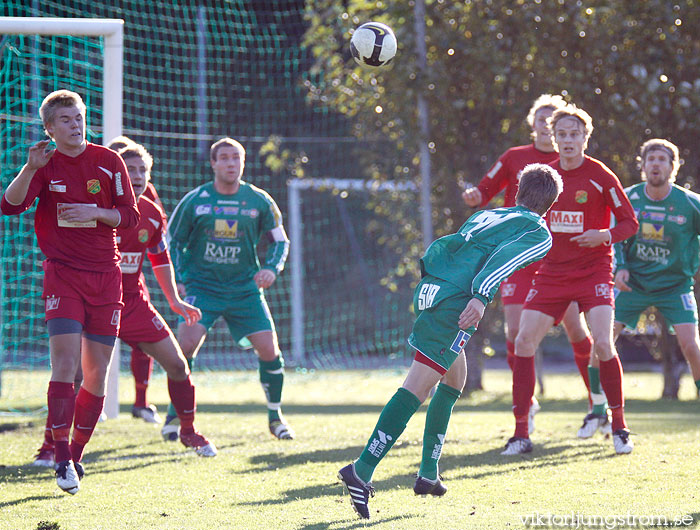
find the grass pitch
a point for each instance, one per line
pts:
(134, 480)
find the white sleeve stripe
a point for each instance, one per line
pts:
(507, 268)
(278, 234)
(496, 277)
(498, 165)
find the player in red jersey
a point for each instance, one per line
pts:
(578, 268)
(141, 364)
(505, 174)
(142, 327)
(84, 194)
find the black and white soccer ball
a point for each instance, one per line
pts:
(373, 44)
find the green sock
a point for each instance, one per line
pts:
(697, 384)
(392, 422)
(171, 407)
(600, 403)
(436, 420)
(272, 379)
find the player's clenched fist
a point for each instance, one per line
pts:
(472, 197)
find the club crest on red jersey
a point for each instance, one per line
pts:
(143, 235)
(581, 196)
(93, 186)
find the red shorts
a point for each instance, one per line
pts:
(140, 321)
(552, 295)
(514, 289)
(92, 298)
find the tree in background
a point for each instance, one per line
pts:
(635, 66)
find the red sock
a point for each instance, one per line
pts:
(611, 381)
(183, 399)
(61, 402)
(582, 356)
(48, 435)
(523, 390)
(142, 368)
(88, 408)
(510, 354)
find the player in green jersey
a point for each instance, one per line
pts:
(657, 266)
(461, 274)
(214, 233)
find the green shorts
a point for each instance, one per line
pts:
(436, 334)
(677, 308)
(245, 315)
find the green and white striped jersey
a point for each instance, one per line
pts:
(487, 249)
(663, 255)
(214, 238)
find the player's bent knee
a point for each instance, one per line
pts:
(525, 346)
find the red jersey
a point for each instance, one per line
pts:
(148, 235)
(97, 177)
(504, 173)
(591, 193)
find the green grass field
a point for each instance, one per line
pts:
(134, 480)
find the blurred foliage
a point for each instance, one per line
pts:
(634, 66)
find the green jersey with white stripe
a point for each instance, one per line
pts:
(214, 238)
(487, 249)
(663, 255)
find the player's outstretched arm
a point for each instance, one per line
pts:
(472, 314)
(37, 158)
(622, 276)
(166, 280)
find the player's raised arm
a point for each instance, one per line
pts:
(17, 196)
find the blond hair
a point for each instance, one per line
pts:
(56, 99)
(137, 150)
(545, 101)
(119, 143)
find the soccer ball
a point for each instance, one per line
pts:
(373, 44)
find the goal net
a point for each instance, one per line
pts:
(191, 75)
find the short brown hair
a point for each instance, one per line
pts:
(59, 98)
(137, 150)
(538, 187)
(572, 111)
(225, 141)
(545, 101)
(659, 144)
(119, 143)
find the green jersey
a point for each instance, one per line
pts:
(663, 255)
(214, 238)
(487, 249)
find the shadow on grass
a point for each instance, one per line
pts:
(4, 504)
(273, 461)
(335, 489)
(492, 463)
(376, 520)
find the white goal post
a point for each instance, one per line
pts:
(296, 253)
(112, 30)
